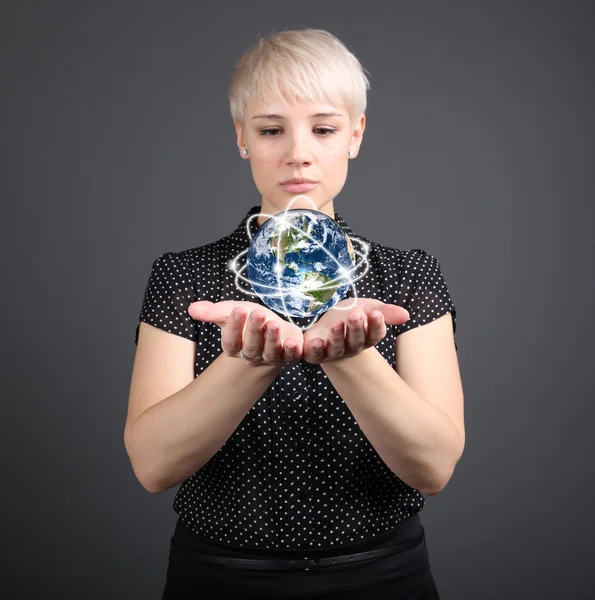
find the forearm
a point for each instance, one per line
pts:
(417, 440)
(174, 438)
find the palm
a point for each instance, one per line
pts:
(218, 312)
(393, 315)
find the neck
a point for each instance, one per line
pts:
(269, 209)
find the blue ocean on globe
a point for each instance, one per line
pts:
(299, 263)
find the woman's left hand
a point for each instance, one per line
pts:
(341, 333)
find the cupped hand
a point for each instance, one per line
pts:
(252, 328)
(341, 333)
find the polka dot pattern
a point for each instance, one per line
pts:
(298, 472)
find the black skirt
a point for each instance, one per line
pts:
(404, 574)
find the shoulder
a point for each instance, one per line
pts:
(193, 254)
(199, 269)
(418, 270)
(415, 262)
(199, 257)
(404, 255)
(409, 261)
(415, 273)
(396, 264)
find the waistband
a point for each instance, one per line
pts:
(280, 572)
(405, 535)
(416, 554)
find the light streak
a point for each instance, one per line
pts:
(282, 225)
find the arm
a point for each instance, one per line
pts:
(176, 436)
(176, 422)
(412, 416)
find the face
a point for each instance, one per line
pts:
(286, 141)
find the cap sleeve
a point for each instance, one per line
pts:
(168, 294)
(423, 290)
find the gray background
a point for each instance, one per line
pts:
(118, 146)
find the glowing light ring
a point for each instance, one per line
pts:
(279, 288)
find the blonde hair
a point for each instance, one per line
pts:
(309, 65)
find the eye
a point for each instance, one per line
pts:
(269, 132)
(326, 130)
(273, 131)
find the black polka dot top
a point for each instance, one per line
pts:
(298, 472)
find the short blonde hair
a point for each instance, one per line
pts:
(309, 65)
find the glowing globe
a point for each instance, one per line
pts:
(300, 262)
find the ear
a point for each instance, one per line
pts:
(241, 142)
(358, 133)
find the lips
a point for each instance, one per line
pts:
(298, 180)
(297, 188)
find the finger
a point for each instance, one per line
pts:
(232, 332)
(272, 348)
(215, 312)
(211, 312)
(314, 351)
(336, 341)
(356, 334)
(253, 341)
(393, 314)
(201, 311)
(291, 350)
(376, 328)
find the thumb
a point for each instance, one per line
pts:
(393, 314)
(210, 312)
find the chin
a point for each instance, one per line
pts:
(303, 201)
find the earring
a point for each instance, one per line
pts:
(350, 154)
(245, 152)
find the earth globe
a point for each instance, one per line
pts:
(299, 263)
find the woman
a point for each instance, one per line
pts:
(303, 453)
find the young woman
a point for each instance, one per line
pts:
(303, 453)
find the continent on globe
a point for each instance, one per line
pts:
(319, 288)
(299, 263)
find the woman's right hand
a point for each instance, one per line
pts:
(252, 328)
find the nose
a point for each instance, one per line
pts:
(299, 150)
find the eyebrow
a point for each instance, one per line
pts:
(315, 116)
